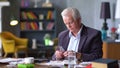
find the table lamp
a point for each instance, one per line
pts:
(105, 14)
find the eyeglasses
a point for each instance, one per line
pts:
(70, 23)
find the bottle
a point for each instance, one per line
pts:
(34, 44)
(40, 25)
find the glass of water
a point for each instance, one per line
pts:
(71, 59)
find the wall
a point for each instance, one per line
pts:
(2, 3)
(7, 13)
(86, 9)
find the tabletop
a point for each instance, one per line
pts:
(51, 64)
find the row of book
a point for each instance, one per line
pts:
(36, 26)
(32, 15)
(28, 15)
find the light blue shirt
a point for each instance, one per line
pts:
(74, 42)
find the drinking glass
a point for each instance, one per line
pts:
(71, 59)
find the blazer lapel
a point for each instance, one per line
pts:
(82, 38)
(82, 41)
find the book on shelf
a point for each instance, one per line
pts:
(22, 25)
(31, 15)
(49, 15)
(25, 26)
(50, 26)
(23, 15)
(34, 25)
(105, 63)
(28, 26)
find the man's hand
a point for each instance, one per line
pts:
(67, 53)
(59, 54)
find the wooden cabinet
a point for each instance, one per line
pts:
(36, 22)
(111, 50)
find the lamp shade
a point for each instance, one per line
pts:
(13, 21)
(117, 13)
(105, 10)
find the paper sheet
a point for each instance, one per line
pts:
(8, 60)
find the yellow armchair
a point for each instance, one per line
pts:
(13, 44)
(8, 46)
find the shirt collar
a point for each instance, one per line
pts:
(78, 34)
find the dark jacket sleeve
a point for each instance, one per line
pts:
(62, 41)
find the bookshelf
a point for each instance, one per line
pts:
(36, 22)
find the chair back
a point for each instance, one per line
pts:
(18, 41)
(12, 43)
(8, 43)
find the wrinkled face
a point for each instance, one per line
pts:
(71, 24)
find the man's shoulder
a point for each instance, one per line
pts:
(64, 32)
(89, 29)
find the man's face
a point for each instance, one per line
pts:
(71, 24)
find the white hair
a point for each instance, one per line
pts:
(75, 13)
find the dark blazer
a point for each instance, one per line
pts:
(90, 45)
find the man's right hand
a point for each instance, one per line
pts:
(58, 55)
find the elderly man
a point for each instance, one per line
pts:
(83, 40)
